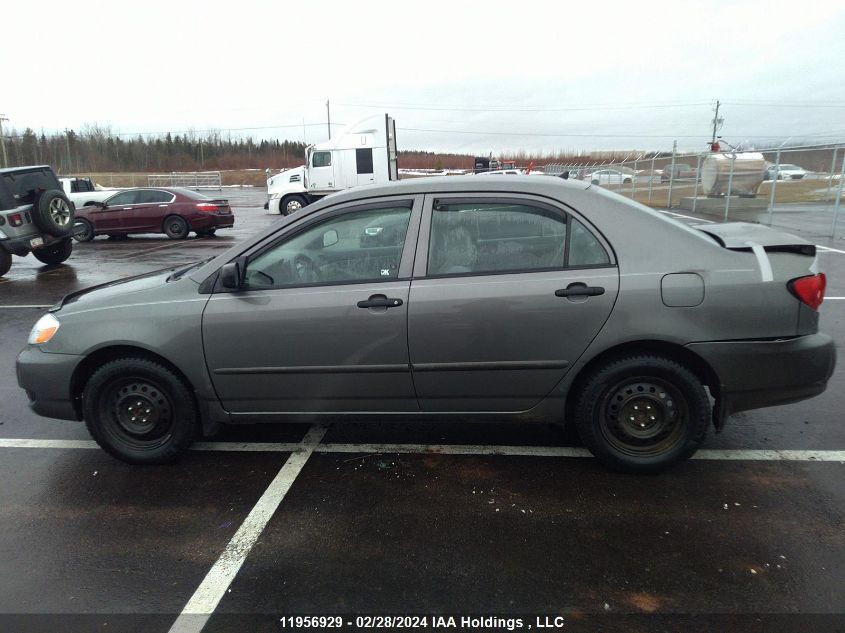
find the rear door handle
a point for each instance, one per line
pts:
(579, 290)
(380, 301)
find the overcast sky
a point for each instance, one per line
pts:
(470, 77)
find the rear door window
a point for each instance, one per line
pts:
(484, 237)
(490, 237)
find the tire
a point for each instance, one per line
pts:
(84, 232)
(175, 227)
(53, 213)
(55, 253)
(142, 387)
(292, 204)
(627, 181)
(642, 413)
(594, 182)
(5, 262)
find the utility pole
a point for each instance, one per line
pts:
(3, 140)
(717, 122)
(329, 118)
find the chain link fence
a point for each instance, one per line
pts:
(797, 188)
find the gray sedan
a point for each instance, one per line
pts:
(519, 298)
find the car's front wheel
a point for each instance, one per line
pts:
(140, 411)
(55, 253)
(642, 413)
(292, 204)
(83, 231)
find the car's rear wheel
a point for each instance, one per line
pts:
(175, 227)
(53, 213)
(292, 204)
(642, 413)
(55, 253)
(83, 231)
(627, 181)
(5, 262)
(594, 182)
(140, 411)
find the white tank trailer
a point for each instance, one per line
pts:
(748, 171)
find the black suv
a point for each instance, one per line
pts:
(35, 216)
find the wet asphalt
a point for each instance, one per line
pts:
(89, 543)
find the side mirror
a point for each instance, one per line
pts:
(330, 238)
(232, 274)
(102, 205)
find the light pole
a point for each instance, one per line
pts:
(3, 140)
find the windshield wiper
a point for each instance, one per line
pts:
(178, 274)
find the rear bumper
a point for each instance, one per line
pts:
(212, 221)
(46, 379)
(756, 374)
(22, 245)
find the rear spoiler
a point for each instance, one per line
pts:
(744, 236)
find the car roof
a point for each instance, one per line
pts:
(7, 170)
(551, 187)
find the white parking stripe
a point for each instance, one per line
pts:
(827, 248)
(38, 443)
(449, 449)
(213, 587)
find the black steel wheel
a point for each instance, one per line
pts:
(83, 231)
(140, 411)
(642, 413)
(5, 262)
(175, 227)
(54, 253)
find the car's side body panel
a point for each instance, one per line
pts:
(745, 302)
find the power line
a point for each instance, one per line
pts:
(580, 108)
(577, 135)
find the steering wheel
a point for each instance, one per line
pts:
(305, 268)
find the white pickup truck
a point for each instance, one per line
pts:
(83, 192)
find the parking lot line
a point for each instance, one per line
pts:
(202, 604)
(449, 449)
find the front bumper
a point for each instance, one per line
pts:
(756, 374)
(46, 379)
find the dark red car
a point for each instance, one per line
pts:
(174, 212)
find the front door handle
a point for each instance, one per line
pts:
(579, 290)
(380, 301)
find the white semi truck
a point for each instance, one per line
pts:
(364, 153)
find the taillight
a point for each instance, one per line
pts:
(16, 219)
(207, 207)
(809, 289)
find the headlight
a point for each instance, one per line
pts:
(44, 330)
